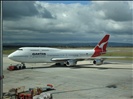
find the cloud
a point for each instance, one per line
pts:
(13, 10)
(39, 20)
(115, 10)
(43, 12)
(17, 9)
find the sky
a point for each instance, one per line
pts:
(67, 22)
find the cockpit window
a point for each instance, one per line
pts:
(20, 49)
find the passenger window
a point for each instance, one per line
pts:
(38, 53)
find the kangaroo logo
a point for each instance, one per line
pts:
(101, 45)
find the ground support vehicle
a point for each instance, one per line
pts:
(16, 67)
(32, 93)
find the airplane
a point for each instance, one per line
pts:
(67, 57)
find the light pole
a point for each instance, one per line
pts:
(1, 54)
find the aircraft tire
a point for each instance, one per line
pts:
(19, 67)
(51, 97)
(23, 67)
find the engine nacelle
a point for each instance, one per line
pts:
(98, 61)
(71, 63)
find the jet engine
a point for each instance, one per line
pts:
(71, 63)
(98, 61)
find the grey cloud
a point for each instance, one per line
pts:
(17, 9)
(43, 12)
(44, 29)
(46, 38)
(74, 22)
(46, 14)
(13, 10)
(115, 10)
(119, 12)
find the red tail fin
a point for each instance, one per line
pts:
(101, 46)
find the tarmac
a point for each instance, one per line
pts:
(111, 80)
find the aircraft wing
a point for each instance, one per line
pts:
(65, 59)
(91, 58)
(77, 59)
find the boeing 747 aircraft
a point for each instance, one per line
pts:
(60, 56)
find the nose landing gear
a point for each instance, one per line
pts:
(23, 66)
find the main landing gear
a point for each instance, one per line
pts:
(17, 67)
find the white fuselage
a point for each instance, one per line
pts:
(45, 54)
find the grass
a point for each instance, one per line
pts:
(8, 51)
(126, 52)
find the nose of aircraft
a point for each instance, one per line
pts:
(10, 56)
